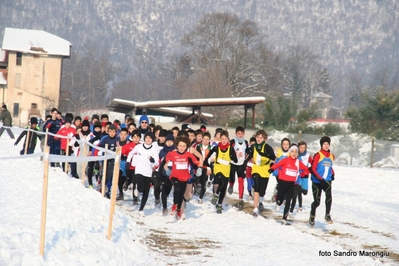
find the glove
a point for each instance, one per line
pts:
(191, 180)
(168, 172)
(76, 144)
(152, 160)
(332, 177)
(270, 171)
(264, 154)
(310, 170)
(199, 172)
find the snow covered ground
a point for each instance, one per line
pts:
(365, 212)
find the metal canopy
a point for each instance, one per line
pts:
(196, 116)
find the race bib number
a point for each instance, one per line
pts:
(290, 172)
(258, 159)
(181, 166)
(222, 161)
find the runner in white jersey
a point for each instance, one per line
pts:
(240, 146)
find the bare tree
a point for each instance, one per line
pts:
(87, 76)
(154, 75)
(355, 88)
(223, 44)
(301, 76)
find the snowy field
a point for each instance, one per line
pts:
(365, 211)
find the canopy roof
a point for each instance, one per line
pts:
(123, 106)
(165, 107)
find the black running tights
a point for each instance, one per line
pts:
(316, 191)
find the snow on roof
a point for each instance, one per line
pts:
(34, 42)
(188, 102)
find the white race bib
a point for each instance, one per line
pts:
(290, 172)
(181, 166)
(222, 161)
(258, 158)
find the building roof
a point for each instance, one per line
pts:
(120, 105)
(34, 42)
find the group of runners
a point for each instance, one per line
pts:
(188, 161)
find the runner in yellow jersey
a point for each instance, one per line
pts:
(225, 154)
(262, 156)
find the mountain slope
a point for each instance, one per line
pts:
(346, 34)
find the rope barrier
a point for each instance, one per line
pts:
(33, 155)
(54, 158)
(62, 158)
(66, 137)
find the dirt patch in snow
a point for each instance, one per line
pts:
(161, 241)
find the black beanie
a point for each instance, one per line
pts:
(163, 133)
(85, 123)
(33, 120)
(170, 137)
(149, 134)
(97, 124)
(70, 116)
(185, 126)
(325, 139)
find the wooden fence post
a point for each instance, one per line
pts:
(114, 188)
(104, 172)
(46, 138)
(45, 143)
(67, 154)
(372, 152)
(44, 199)
(27, 142)
(84, 164)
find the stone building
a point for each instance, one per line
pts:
(30, 72)
(324, 103)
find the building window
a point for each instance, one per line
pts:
(15, 112)
(17, 80)
(19, 58)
